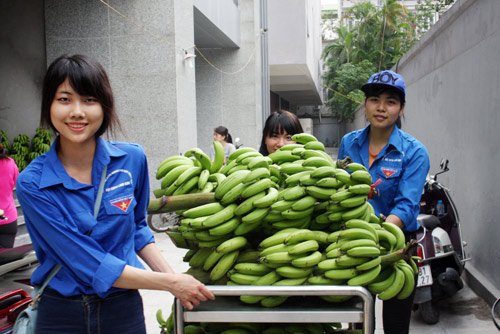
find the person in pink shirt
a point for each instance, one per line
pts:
(8, 211)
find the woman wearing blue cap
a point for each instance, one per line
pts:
(398, 164)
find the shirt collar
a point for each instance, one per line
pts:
(54, 173)
(394, 140)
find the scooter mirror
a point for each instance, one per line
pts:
(444, 164)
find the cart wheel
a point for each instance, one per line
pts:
(429, 313)
(162, 222)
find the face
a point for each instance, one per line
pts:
(277, 140)
(218, 137)
(76, 118)
(383, 111)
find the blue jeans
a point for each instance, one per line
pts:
(121, 312)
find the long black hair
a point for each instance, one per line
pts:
(277, 123)
(223, 131)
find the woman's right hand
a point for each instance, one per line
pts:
(189, 291)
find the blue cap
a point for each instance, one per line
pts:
(385, 79)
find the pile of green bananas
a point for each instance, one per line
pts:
(23, 149)
(294, 217)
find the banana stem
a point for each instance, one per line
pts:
(180, 202)
(403, 253)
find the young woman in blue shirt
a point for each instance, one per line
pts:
(96, 289)
(398, 164)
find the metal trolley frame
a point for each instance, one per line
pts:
(226, 309)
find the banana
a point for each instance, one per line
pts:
(223, 265)
(365, 277)
(267, 200)
(341, 195)
(320, 193)
(341, 274)
(397, 232)
(328, 264)
(211, 243)
(296, 214)
(294, 179)
(322, 280)
(307, 180)
(259, 162)
(187, 175)
(174, 161)
(334, 253)
(219, 157)
(360, 189)
(316, 162)
(323, 172)
(409, 281)
(251, 154)
(205, 236)
(267, 279)
(293, 272)
(298, 236)
(277, 258)
(314, 145)
(232, 244)
(275, 239)
(357, 243)
(187, 186)
(257, 187)
(201, 156)
(230, 182)
(413, 263)
(236, 168)
(353, 202)
(227, 167)
(364, 251)
(356, 212)
(280, 157)
(239, 152)
(219, 217)
(203, 210)
(347, 261)
(358, 223)
(225, 228)
(291, 281)
(308, 260)
(209, 187)
(248, 204)
(211, 260)
(354, 166)
(298, 223)
(361, 177)
(172, 175)
(303, 138)
(233, 194)
(306, 246)
(242, 279)
(291, 147)
(199, 258)
(383, 281)
(189, 254)
(292, 168)
(356, 233)
(203, 180)
(248, 255)
(282, 205)
(257, 174)
(281, 247)
(159, 318)
(250, 268)
(254, 216)
(329, 182)
(293, 193)
(396, 286)
(273, 301)
(386, 239)
(251, 299)
(304, 203)
(216, 177)
(343, 176)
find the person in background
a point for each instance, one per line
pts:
(221, 134)
(278, 130)
(398, 164)
(96, 288)
(8, 210)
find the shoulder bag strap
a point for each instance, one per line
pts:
(56, 268)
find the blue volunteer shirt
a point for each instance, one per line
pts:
(401, 166)
(59, 214)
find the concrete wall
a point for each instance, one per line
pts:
(228, 85)
(453, 79)
(22, 65)
(140, 42)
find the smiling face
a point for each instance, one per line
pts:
(276, 140)
(76, 118)
(383, 110)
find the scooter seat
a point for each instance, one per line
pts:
(12, 254)
(429, 222)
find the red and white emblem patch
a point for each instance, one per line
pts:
(122, 203)
(388, 172)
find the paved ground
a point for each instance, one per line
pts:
(466, 313)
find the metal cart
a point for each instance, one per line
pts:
(227, 308)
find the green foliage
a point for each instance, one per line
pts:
(23, 149)
(425, 13)
(376, 40)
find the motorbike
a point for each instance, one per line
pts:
(440, 246)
